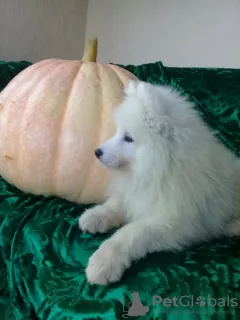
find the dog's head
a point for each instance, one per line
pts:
(117, 152)
(146, 129)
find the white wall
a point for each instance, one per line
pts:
(177, 32)
(38, 29)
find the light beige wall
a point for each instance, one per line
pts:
(37, 29)
(178, 32)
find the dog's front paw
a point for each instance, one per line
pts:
(106, 265)
(94, 220)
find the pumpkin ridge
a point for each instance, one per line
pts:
(28, 110)
(119, 73)
(18, 155)
(99, 69)
(23, 75)
(56, 161)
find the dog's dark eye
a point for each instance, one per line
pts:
(128, 138)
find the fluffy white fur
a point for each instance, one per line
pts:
(173, 186)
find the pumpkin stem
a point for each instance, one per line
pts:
(90, 53)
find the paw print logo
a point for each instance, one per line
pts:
(135, 307)
(200, 301)
(126, 305)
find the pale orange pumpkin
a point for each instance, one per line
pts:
(52, 117)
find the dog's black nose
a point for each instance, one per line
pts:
(98, 153)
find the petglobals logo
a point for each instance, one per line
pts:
(190, 301)
(134, 307)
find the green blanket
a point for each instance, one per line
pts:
(43, 253)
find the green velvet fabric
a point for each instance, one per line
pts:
(43, 253)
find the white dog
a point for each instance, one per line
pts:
(173, 183)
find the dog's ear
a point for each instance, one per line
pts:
(141, 89)
(155, 115)
(158, 124)
(131, 87)
(145, 92)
